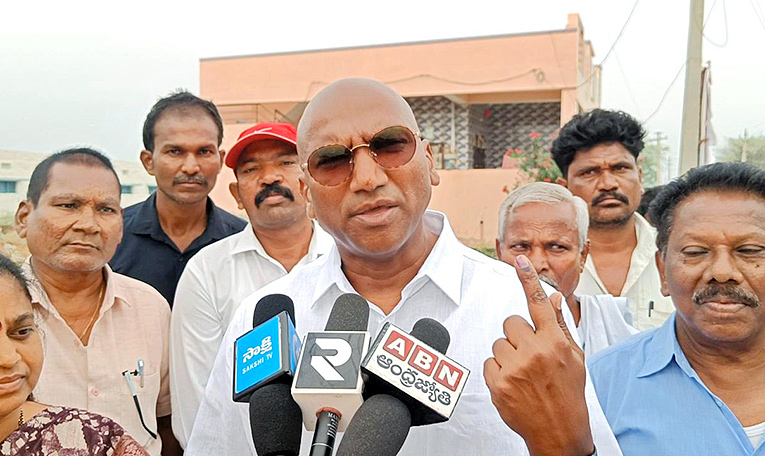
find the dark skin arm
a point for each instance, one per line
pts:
(537, 376)
(170, 446)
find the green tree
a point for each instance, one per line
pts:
(744, 148)
(655, 159)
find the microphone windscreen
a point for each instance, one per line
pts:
(276, 421)
(350, 313)
(432, 333)
(379, 428)
(269, 306)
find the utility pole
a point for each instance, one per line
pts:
(744, 145)
(691, 126)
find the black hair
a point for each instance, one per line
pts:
(180, 99)
(9, 268)
(81, 155)
(648, 195)
(598, 126)
(724, 177)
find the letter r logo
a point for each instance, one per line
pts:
(323, 364)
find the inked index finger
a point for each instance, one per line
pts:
(540, 307)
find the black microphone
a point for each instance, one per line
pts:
(328, 385)
(267, 353)
(413, 368)
(387, 399)
(264, 363)
(276, 421)
(379, 428)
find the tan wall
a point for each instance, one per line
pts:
(471, 199)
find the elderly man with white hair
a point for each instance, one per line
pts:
(548, 224)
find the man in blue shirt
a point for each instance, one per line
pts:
(694, 386)
(182, 136)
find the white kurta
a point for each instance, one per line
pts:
(643, 284)
(212, 286)
(469, 293)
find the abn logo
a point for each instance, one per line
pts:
(424, 359)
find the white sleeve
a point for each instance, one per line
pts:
(602, 435)
(221, 426)
(195, 334)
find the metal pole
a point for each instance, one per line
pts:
(691, 126)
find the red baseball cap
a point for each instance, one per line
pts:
(280, 131)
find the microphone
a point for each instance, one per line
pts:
(276, 421)
(379, 428)
(268, 353)
(328, 385)
(413, 368)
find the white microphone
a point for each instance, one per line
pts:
(328, 384)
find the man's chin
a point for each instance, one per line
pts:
(610, 220)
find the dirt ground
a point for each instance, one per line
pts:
(11, 245)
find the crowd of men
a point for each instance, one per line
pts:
(646, 341)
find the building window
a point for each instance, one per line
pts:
(152, 188)
(5, 165)
(7, 187)
(126, 189)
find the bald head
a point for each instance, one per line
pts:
(334, 103)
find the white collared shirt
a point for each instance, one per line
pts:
(469, 293)
(133, 324)
(643, 284)
(603, 322)
(212, 286)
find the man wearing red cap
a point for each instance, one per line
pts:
(279, 236)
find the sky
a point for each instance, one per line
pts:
(87, 72)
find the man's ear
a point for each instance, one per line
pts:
(435, 179)
(661, 266)
(306, 192)
(585, 252)
(147, 160)
(562, 181)
(498, 249)
(22, 215)
(233, 187)
(222, 154)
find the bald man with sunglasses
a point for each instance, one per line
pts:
(367, 179)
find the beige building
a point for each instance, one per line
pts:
(474, 99)
(16, 168)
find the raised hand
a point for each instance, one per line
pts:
(537, 377)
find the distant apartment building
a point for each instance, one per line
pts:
(16, 168)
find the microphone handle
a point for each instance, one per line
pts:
(324, 435)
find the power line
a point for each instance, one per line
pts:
(725, 18)
(666, 92)
(627, 85)
(758, 13)
(613, 45)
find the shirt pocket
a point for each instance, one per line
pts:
(147, 398)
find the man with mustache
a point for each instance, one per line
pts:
(368, 178)
(694, 386)
(548, 224)
(597, 153)
(182, 135)
(96, 324)
(279, 237)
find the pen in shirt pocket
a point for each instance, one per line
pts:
(139, 372)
